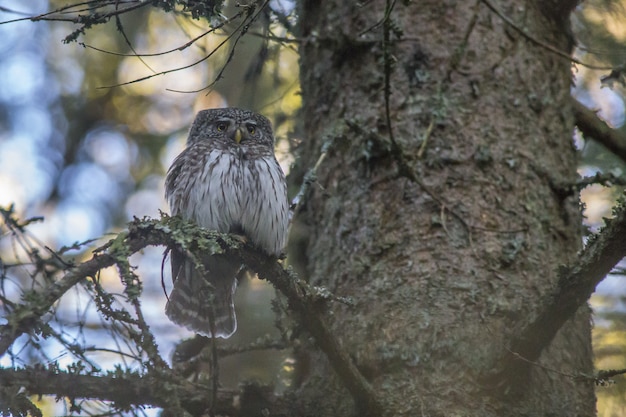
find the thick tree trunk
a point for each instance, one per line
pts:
(443, 277)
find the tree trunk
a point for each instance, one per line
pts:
(443, 225)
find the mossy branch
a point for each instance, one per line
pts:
(126, 390)
(306, 301)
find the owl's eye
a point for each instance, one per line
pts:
(251, 129)
(221, 126)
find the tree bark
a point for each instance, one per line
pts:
(436, 210)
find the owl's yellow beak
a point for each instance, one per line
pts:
(237, 135)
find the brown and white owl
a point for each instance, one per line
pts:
(227, 179)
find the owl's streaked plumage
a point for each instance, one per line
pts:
(227, 179)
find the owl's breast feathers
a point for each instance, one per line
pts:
(228, 190)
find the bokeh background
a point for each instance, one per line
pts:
(86, 148)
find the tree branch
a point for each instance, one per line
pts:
(25, 316)
(131, 390)
(575, 286)
(306, 301)
(592, 126)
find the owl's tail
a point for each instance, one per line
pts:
(203, 302)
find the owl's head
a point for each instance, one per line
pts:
(230, 128)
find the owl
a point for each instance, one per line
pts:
(226, 179)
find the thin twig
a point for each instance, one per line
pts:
(169, 51)
(147, 77)
(460, 50)
(309, 179)
(120, 28)
(429, 130)
(242, 30)
(538, 42)
(49, 16)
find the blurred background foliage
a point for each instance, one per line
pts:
(86, 146)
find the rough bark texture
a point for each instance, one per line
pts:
(436, 302)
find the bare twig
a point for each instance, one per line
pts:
(429, 130)
(169, 51)
(58, 14)
(204, 58)
(460, 50)
(531, 38)
(250, 18)
(120, 28)
(309, 179)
